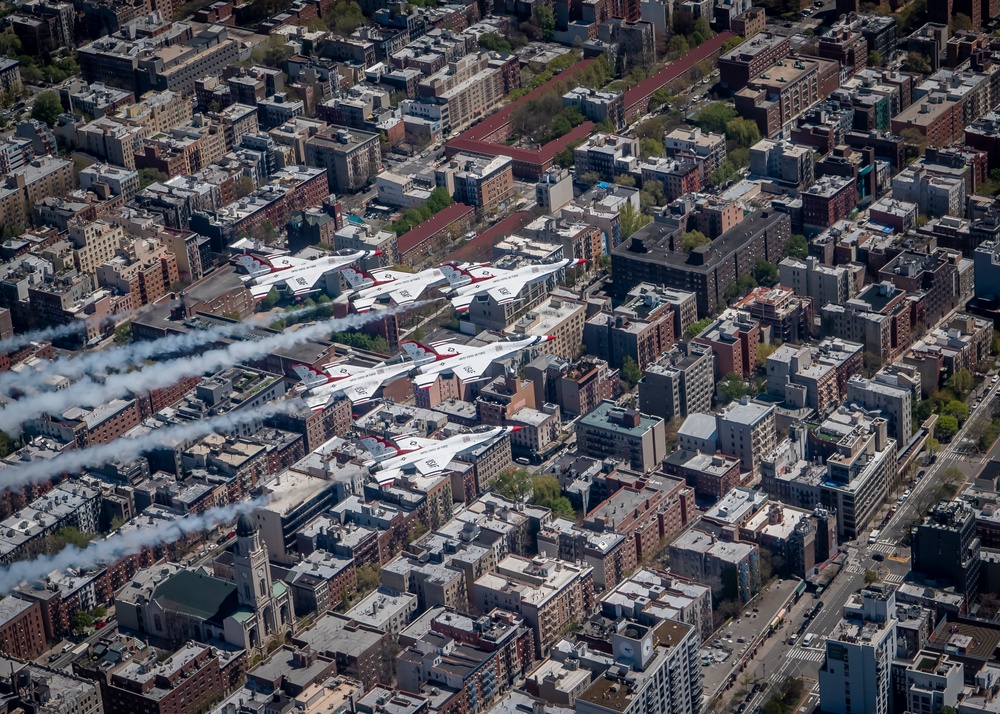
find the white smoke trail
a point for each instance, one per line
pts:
(124, 449)
(120, 545)
(118, 358)
(165, 374)
(53, 333)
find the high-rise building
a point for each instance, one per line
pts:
(945, 547)
(856, 674)
(656, 672)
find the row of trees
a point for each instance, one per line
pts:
(412, 217)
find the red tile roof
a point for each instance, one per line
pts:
(432, 226)
(673, 70)
(480, 248)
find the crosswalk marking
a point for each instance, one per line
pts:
(884, 547)
(809, 654)
(894, 578)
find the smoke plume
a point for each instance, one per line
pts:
(165, 374)
(118, 358)
(125, 449)
(120, 545)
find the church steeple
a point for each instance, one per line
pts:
(253, 576)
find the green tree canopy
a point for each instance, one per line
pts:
(630, 373)
(744, 132)
(765, 273)
(961, 382)
(514, 484)
(957, 409)
(547, 493)
(47, 108)
(692, 239)
(493, 42)
(947, 426)
(797, 247)
(715, 117)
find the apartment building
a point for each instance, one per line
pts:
(657, 671)
(855, 675)
(746, 431)
(351, 157)
(680, 382)
(653, 255)
(547, 593)
(707, 149)
(607, 155)
(830, 199)
(731, 568)
(795, 86)
(742, 64)
(628, 435)
(824, 283)
(466, 90)
(485, 184)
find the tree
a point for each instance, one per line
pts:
(724, 174)
(150, 176)
(243, 187)
(10, 45)
(123, 333)
(514, 484)
(546, 22)
(99, 612)
(268, 231)
(743, 285)
(870, 577)
(916, 62)
(270, 300)
(961, 21)
(692, 239)
(715, 116)
(874, 59)
(547, 493)
(947, 426)
(871, 361)
(797, 247)
(696, 328)
(764, 350)
(677, 47)
(733, 387)
(625, 180)
(630, 373)
(493, 42)
(651, 147)
(630, 220)
(82, 621)
(369, 577)
(589, 178)
(272, 52)
(345, 17)
(744, 132)
(765, 273)
(957, 409)
(932, 445)
(47, 108)
(961, 382)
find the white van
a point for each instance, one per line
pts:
(807, 640)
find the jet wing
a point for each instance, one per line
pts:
(507, 291)
(305, 279)
(436, 463)
(259, 292)
(361, 392)
(461, 302)
(472, 369)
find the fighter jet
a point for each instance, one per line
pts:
(293, 276)
(469, 363)
(401, 288)
(503, 286)
(358, 384)
(425, 456)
